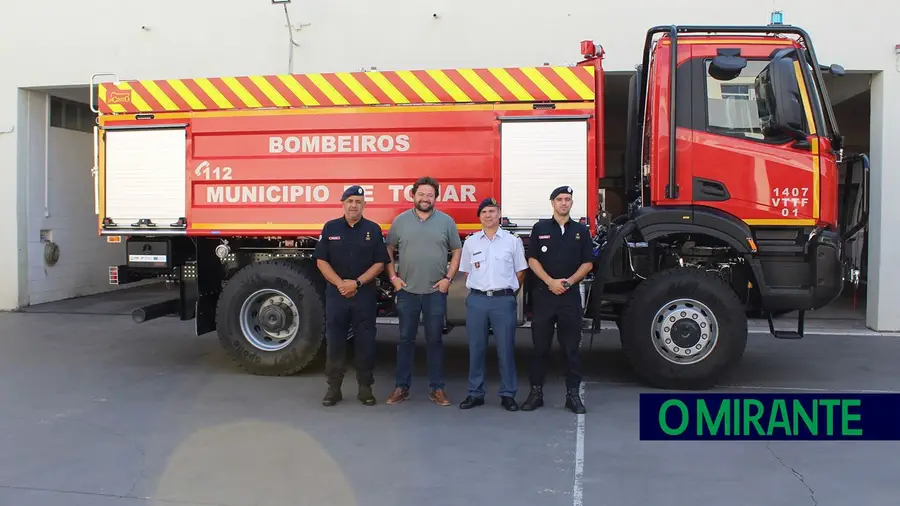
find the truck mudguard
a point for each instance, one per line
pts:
(656, 222)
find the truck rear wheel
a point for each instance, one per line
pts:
(271, 318)
(684, 329)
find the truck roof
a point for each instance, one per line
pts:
(574, 83)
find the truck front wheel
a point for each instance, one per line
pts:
(270, 318)
(684, 329)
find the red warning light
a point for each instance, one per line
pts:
(588, 48)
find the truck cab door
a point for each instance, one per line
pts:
(755, 150)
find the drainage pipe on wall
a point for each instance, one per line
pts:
(47, 159)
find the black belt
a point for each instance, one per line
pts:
(495, 293)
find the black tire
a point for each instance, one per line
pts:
(655, 293)
(299, 285)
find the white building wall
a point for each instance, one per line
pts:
(884, 217)
(65, 211)
(62, 43)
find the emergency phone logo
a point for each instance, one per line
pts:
(118, 97)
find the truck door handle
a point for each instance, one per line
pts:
(802, 144)
(706, 189)
(713, 189)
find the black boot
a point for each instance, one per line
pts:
(573, 401)
(365, 395)
(333, 396)
(535, 399)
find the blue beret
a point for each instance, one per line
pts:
(487, 202)
(561, 189)
(353, 190)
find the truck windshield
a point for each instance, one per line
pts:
(732, 107)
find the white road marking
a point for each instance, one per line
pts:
(578, 491)
(826, 332)
(838, 328)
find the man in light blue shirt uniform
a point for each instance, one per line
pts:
(494, 262)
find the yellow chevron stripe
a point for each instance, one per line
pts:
(186, 94)
(449, 86)
(511, 84)
(136, 99)
(590, 70)
(298, 90)
(389, 89)
(270, 91)
(572, 80)
(159, 95)
(358, 89)
(542, 83)
(410, 79)
(327, 89)
(242, 93)
(213, 93)
(480, 86)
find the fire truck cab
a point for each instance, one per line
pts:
(221, 185)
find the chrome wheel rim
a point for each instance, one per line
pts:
(684, 331)
(269, 319)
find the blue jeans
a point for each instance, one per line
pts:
(500, 313)
(433, 308)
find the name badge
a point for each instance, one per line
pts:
(543, 237)
(334, 238)
(477, 258)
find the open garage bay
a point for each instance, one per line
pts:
(100, 411)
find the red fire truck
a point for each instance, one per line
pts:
(729, 195)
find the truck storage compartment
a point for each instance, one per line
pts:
(144, 177)
(536, 156)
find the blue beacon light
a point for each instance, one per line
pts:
(776, 18)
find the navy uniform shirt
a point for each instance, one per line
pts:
(560, 253)
(351, 250)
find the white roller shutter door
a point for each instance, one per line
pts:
(536, 157)
(145, 176)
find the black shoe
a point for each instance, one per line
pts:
(573, 402)
(509, 403)
(535, 399)
(365, 395)
(333, 396)
(470, 402)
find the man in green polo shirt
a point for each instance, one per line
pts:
(424, 236)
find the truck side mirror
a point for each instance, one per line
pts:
(726, 66)
(834, 69)
(778, 99)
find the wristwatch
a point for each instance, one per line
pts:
(566, 285)
(358, 283)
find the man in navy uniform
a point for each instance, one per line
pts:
(350, 254)
(494, 262)
(560, 253)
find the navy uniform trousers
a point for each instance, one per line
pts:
(564, 312)
(341, 315)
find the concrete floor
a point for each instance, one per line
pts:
(99, 411)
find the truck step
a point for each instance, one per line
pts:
(787, 334)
